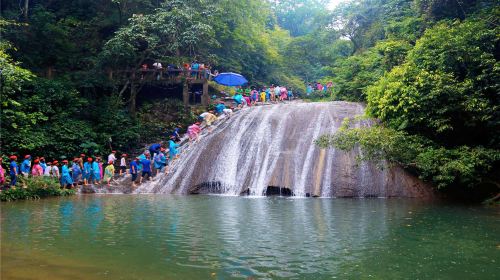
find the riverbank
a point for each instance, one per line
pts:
(34, 188)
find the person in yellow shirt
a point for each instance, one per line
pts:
(262, 96)
(109, 172)
(209, 119)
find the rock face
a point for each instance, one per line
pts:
(274, 146)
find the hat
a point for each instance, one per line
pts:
(76, 159)
(82, 155)
(27, 156)
(13, 157)
(49, 163)
(124, 155)
(65, 161)
(110, 162)
(42, 158)
(197, 123)
(113, 152)
(36, 161)
(89, 159)
(55, 162)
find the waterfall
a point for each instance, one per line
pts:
(273, 146)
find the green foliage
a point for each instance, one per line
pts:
(445, 167)
(447, 89)
(34, 188)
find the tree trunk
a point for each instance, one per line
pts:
(25, 10)
(133, 97)
(185, 94)
(205, 98)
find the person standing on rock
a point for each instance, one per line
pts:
(87, 171)
(123, 164)
(96, 173)
(109, 173)
(77, 171)
(146, 168)
(134, 170)
(160, 161)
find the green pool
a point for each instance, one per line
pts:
(215, 237)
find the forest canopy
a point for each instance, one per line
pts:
(428, 70)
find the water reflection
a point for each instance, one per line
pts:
(235, 237)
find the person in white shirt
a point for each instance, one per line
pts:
(55, 169)
(48, 170)
(123, 165)
(112, 157)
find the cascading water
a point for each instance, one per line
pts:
(274, 146)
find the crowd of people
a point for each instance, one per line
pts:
(193, 70)
(93, 170)
(250, 96)
(316, 87)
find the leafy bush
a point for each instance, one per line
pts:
(462, 166)
(448, 89)
(36, 188)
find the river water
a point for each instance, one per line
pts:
(220, 237)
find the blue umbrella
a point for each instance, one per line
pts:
(230, 79)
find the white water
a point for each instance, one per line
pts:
(274, 146)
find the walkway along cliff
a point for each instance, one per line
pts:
(270, 149)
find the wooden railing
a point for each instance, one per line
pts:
(164, 74)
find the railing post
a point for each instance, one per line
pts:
(205, 98)
(185, 94)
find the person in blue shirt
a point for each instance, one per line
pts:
(96, 173)
(160, 161)
(238, 98)
(290, 94)
(146, 168)
(87, 171)
(13, 170)
(43, 164)
(66, 181)
(220, 108)
(309, 89)
(177, 133)
(154, 149)
(134, 170)
(26, 166)
(76, 170)
(172, 147)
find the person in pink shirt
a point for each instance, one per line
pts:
(247, 99)
(283, 93)
(193, 131)
(37, 169)
(2, 173)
